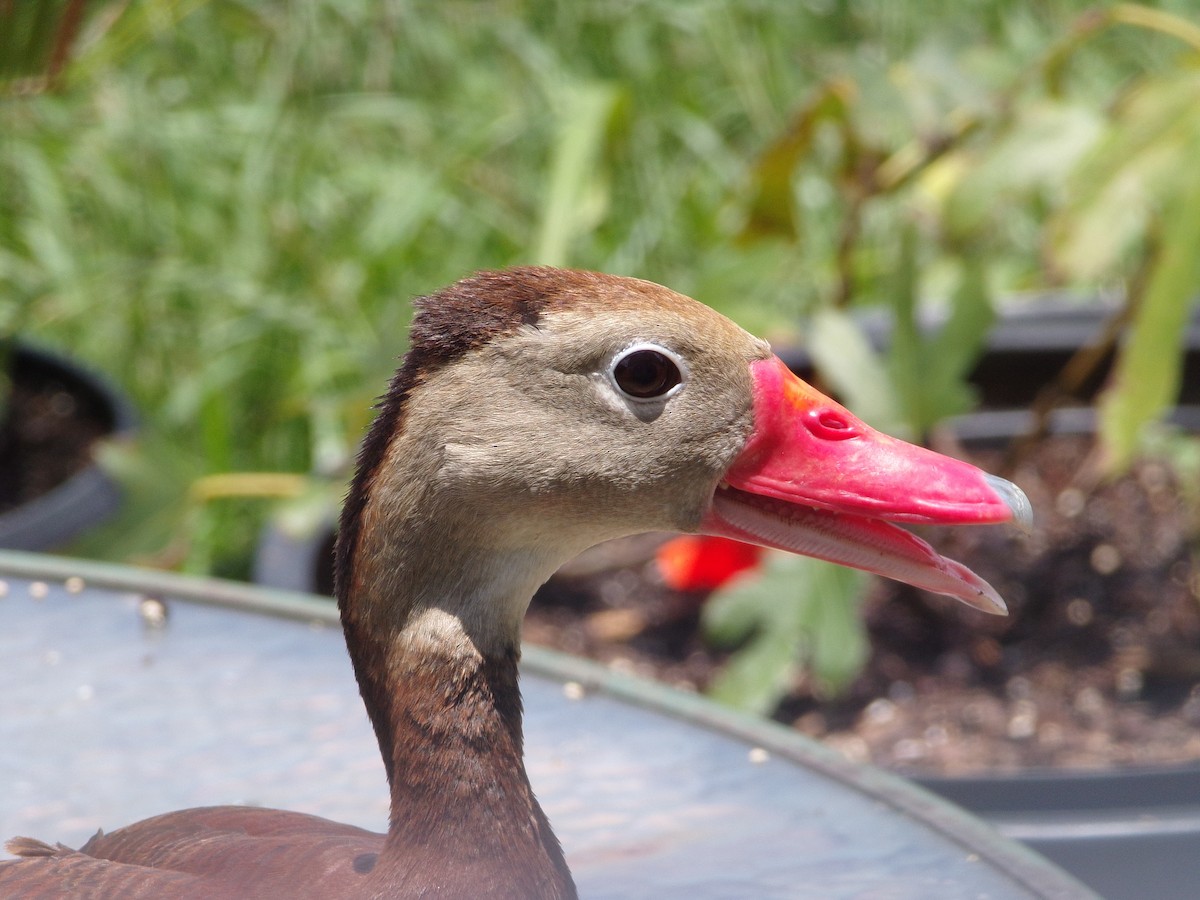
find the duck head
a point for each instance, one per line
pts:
(541, 411)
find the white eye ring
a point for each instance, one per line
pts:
(647, 373)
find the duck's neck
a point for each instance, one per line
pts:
(446, 707)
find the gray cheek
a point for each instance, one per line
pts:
(688, 516)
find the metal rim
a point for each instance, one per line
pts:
(1024, 866)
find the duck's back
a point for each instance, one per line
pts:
(211, 852)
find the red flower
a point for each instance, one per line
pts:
(694, 562)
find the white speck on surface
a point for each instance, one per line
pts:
(758, 756)
(153, 612)
(1080, 612)
(38, 590)
(1129, 683)
(74, 585)
(573, 690)
(1071, 502)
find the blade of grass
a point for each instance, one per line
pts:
(1145, 382)
(571, 198)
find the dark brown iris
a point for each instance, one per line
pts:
(646, 373)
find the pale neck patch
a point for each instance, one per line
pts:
(442, 631)
(479, 614)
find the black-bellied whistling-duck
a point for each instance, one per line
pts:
(538, 412)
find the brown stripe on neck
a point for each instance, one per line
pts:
(463, 811)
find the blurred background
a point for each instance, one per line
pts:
(226, 207)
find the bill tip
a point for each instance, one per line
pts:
(1014, 498)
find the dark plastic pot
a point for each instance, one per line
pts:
(89, 496)
(290, 561)
(1129, 834)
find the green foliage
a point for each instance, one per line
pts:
(1146, 381)
(1135, 204)
(797, 612)
(987, 173)
(993, 178)
(930, 367)
(34, 41)
(576, 201)
(227, 205)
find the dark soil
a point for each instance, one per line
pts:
(46, 436)
(1098, 664)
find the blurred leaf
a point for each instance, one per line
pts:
(760, 674)
(839, 645)
(906, 361)
(1145, 381)
(798, 611)
(36, 38)
(955, 348)
(154, 479)
(930, 370)
(734, 613)
(1035, 153)
(1151, 139)
(575, 197)
(771, 209)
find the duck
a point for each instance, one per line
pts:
(538, 411)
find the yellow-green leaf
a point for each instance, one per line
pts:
(1146, 379)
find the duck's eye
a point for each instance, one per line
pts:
(645, 373)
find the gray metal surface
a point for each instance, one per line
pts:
(104, 720)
